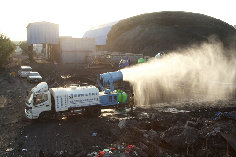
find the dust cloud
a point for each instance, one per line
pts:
(198, 73)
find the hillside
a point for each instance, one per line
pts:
(164, 31)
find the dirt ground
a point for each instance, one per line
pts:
(167, 129)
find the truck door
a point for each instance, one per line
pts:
(43, 101)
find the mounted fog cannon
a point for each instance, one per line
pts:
(111, 96)
(109, 78)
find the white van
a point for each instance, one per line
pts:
(24, 71)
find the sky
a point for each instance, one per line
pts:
(75, 17)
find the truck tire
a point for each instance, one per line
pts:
(46, 115)
(86, 112)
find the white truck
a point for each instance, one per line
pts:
(34, 77)
(43, 101)
(24, 71)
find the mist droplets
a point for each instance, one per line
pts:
(198, 72)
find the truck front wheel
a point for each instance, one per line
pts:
(46, 115)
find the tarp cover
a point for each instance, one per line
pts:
(42, 33)
(99, 33)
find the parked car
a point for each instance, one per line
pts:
(34, 77)
(24, 71)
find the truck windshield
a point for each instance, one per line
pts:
(26, 69)
(30, 97)
(34, 74)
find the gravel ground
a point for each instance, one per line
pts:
(159, 130)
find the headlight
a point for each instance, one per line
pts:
(28, 108)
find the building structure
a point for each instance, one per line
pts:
(76, 50)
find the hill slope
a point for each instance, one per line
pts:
(163, 31)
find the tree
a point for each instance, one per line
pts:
(7, 47)
(24, 46)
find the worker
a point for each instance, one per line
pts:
(9, 77)
(13, 74)
(131, 103)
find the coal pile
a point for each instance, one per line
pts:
(151, 33)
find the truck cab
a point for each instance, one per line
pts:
(38, 101)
